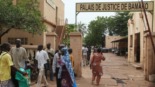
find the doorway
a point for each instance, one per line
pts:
(137, 48)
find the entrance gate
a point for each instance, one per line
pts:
(117, 7)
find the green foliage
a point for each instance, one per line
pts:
(115, 25)
(82, 28)
(24, 15)
(69, 28)
(96, 30)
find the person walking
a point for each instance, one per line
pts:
(19, 57)
(84, 55)
(42, 58)
(66, 71)
(50, 53)
(97, 71)
(6, 65)
(56, 64)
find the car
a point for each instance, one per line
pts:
(105, 50)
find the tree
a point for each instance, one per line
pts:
(82, 28)
(117, 25)
(69, 28)
(96, 29)
(25, 15)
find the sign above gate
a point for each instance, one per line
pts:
(113, 6)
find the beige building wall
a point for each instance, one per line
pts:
(60, 8)
(49, 12)
(149, 64)
(52, 12)
(137, 25)
(51, 38)
(15, 33)
(109, 39)
(76, 45)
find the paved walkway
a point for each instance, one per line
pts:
(117, 73)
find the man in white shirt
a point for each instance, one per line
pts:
(84, 55)
(42, 58)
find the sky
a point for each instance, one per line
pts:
(86, 17)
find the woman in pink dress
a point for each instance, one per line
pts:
(97, 71)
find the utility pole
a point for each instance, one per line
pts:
(76, 14)
(149, 30)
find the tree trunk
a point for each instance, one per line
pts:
(3, 33)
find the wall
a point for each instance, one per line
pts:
(60, 7)
(49, 14)
(137, 25)
(51, 38)
(109, 39)
(76, 45)
(149, 64)
(15, 33)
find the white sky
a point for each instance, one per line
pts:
(86, 17)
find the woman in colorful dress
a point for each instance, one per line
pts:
(66, 71)
(97, 71)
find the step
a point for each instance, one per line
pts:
(136, 65)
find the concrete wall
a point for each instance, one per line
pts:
(149, 64)
(137, 25)
(109, 39)
(76, 45)
(49, 12)
(51, 38)
(15, 33)
(60, 8)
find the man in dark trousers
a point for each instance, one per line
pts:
(56, 65)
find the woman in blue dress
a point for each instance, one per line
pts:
(66, 71)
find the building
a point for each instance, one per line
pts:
(120, 46)
(53, 17)
(109, 39)
(139, 47)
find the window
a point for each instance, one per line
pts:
(13, 40)
(131, 41)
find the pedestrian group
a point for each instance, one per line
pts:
(45, 63)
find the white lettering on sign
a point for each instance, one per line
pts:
(113, 6)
